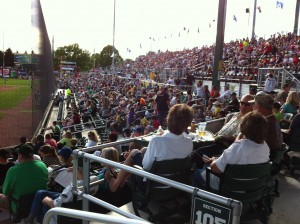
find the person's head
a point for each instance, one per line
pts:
(293, 98)
(68, 134)
(276, 107)
(65, 155)
(254, 127)
(226, 87)
(48, 136)
(148, 129)
(25, 153)
(47, 151)
(113, 137)
(286, 87)
(138, 132)
(110, 153)
(233, 95)
(74, 142)
(179, 118)
(126, 132)
(245, 105)
(54, 123)
(40, 138)
(263, 104)
(60, 145)
(23, 140)
(92, 135)
(199, 83)
(4, 155)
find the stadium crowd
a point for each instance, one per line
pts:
(133, 108)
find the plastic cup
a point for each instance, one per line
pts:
(201, 128)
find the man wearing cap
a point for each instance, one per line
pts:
(263, 103)
(234, 104)
(25, 178)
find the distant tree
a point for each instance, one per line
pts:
(105, 57)
(72, 53)
(8, 58)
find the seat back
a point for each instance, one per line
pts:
(245, 183)
(20, 208)
(277, 159)
(294, 143)
(176, 169)
(287, 116)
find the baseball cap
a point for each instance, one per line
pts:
(65, 152)
(149, 128)
(25, 150)
(139, 130)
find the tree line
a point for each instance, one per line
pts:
(84, 60)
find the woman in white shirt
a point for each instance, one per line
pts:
(172, 145)
(93, 139)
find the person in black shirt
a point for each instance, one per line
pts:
(162, 101)
(4, 165)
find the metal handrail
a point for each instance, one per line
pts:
(89, 216)
(236, 205)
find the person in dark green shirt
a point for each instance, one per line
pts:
(25, 178)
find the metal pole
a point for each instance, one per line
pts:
(219, 41)
(296, 17)
(113, 50)
(254, 19)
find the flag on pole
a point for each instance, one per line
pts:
(259, 9)
(140, 45)
(234, 18)
(198, 30)
(279, 4)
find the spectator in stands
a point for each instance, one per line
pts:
(54, 128)
(49, 155)
(175, 100)
(169, 146)
(14, 152)
(67, 139)
(148, 129)
(228, 133)
(65, 156)
(93, 139)
(25, 178)
(40, 141)
(200, 89)
(292, 103)
(45, 200)
(162, 101)
(214, 93)
(249, 148)
(270, 83)
(283, 94)
(5, 164)
(234, 104)
(264, 105)
(50, 141)
(225, 96)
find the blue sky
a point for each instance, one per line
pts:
(89, 23)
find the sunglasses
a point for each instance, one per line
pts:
(245, 103)
(90, 135)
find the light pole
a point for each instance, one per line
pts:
(113, 50)
(254, 19)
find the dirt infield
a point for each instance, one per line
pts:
(6, 88)
(16, 122)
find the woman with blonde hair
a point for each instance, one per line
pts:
(93, 139)
(292, 103)
(49, 155)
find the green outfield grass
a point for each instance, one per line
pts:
(13, 92)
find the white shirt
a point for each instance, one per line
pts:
(243, 151)
(200, 91)
(270, 84)
(91, 143)
(166, 147)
